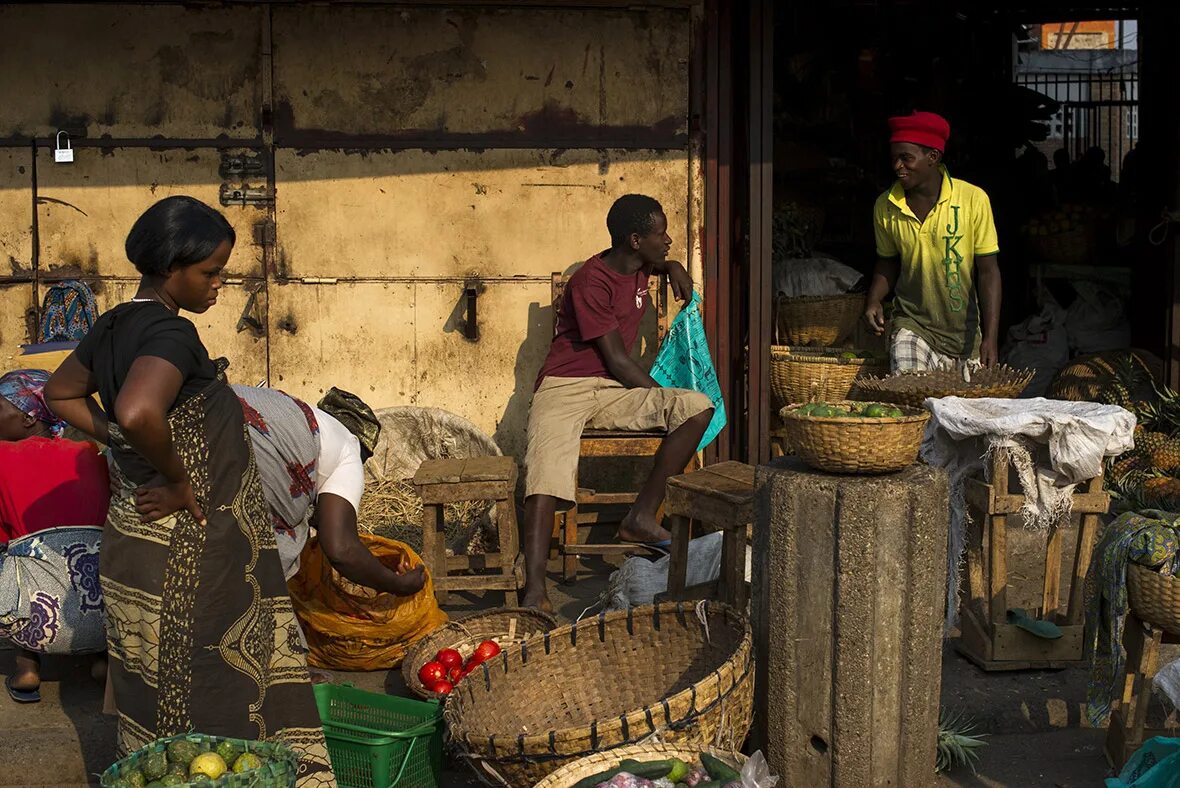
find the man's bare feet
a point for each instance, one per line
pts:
(643, 529)
(538, 600)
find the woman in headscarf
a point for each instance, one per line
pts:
(201, 631)
(57, 490)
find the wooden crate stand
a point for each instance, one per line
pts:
(440, 482)
(986, 638)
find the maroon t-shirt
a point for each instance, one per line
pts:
(597, 300)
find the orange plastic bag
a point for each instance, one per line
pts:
(350, 627)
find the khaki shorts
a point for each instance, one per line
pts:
(564, 407)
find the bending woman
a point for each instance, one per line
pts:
(200, 629)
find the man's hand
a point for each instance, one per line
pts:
(680, 280)
(989, 353)
(875, 317)
(408, 583)
(153, 503)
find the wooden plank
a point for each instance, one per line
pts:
(1051, 588)
(590, 497)
(1013, 643)
(704, 482)
(998, 568)
(715, 513)
(1083, 503)
(681, 528)
(440, 471)
(979, 495)
(1087, 533)
(620, 447)
(734, 589)
(465, 491)
(489, 469)
(738, 471)
(509, 541)
(976, 587)
(434, 548)
(476, 583)
(973, 640)
(614, 548)
(569, 541)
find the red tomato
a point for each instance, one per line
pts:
(449, 658)
(455, 674)
(443, 687)
(431, 672)
(486, 650)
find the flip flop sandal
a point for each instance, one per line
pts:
(662, 547)
(1042, 629)
(19, 695)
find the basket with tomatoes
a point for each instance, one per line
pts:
(447, 655)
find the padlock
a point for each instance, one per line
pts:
(63, 155)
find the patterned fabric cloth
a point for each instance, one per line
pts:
(354, 414)
(49, 596)
(25, 388)
(908, 352)
(68, 312)
(1150, 538)
(200, 628)
(286, 440)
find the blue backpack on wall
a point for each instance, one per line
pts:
(68, 312)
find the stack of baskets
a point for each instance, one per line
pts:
(680, 672)
(1154, 597)
(799, 375)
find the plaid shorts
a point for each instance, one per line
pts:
(908, 352)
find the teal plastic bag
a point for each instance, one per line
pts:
(1154, 765)
(684, 362)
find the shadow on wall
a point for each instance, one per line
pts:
(511, 430)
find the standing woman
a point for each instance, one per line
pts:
(201, 633)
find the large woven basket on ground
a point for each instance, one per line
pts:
(507, 626)
(799, 375)
(819, 321)
(854, 444)
(913, 388)
(1154, 598)
(1119, 377)
(567, 776)
(681, 671)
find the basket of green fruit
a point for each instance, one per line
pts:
(855, 437)
(194, 759)
(811, 374)
(642, 765)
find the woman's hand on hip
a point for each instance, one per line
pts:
(153, 503)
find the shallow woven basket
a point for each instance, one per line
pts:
(799, 375)
(1154, 598)
(508, 626)
(819, 321)
(279, 771)
(599, 762)
(608, 682)
(913, 388)
(853, 444)
(1067, 248)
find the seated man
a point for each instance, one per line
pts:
(311, 461)
(589, 379)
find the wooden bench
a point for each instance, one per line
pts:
(440, 482)
(1128, 720)
(987, 639)
(721, 497)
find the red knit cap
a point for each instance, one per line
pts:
(921, 128)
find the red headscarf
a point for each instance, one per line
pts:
(921, 128)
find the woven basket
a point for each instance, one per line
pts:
(279, 771)
(818, 321)
(913, 388)
(1067, 248)
(1154, 598)
(852, 444)
(799, 375)
(568, 775)
(507, 626)
(608, 682)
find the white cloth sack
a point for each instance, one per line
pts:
(813, 276)
(638, 580)
(1053, 444)
(1096, 321)
(1040, 343)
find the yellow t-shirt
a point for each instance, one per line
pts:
(935, 295)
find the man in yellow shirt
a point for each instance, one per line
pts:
(936, 250)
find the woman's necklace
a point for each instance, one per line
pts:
(157, 299)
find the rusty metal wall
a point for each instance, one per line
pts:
(403, 151)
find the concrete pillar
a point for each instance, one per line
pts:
(849, 588)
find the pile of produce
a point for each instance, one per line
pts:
(186, 762)
(712, 772)
(850, 410)
(1067, 218)
(443, 673)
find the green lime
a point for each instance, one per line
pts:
(135, 778)
(876, 411)
(228, 751)
(849, 354)
(247, 761)
(155, 765)
(172, 779)
(894, 413)
(182, 751)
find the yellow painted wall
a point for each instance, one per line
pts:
(503, 125)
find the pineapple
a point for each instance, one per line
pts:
(1166, 455)
(1161, 490)
(1128, 463)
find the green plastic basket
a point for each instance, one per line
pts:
(380, 741)
(279, 771)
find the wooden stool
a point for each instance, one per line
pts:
(987, 639)
(1128, 720)
(441, 482)
(722, 496)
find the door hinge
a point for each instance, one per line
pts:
(264, 233)
(245, 195)
(242, 166)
